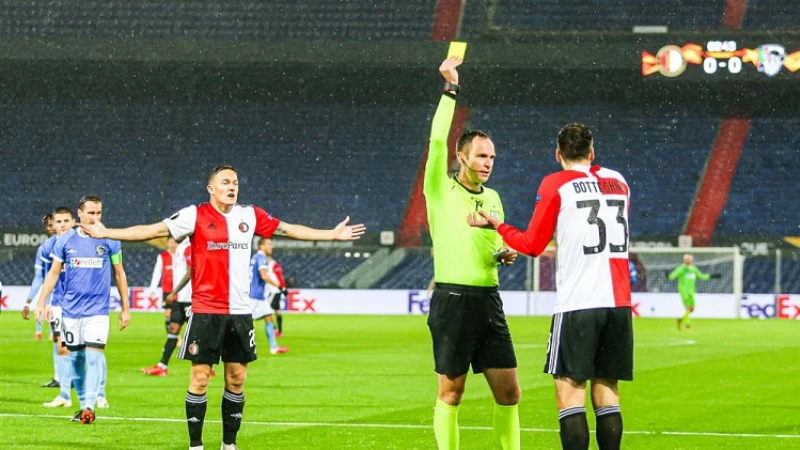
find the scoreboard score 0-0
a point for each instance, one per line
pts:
(723, 57)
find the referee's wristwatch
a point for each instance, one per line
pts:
(451, 87)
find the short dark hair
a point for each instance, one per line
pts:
(464, 144)
(46, 218)
(219, 169)
(262, 240)
(88, 198)
(63, 210)
(575, 141)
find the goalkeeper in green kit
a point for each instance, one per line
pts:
(687, 275)
(466, 319)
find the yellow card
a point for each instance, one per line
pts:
(457, 49)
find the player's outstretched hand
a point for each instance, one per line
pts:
(124, 319)
(448, 69)
(344, 232)
(96, 230)
(480, 219)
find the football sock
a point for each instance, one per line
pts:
(64, 369)
(574, 428)
(609, 427)
(95, 368)
(270, 329)
(686, 319)
(169, 347)
(279, 319)
(101, 390)
(38, 326)
(232, 408)
(505, 426)
(445, 425)
(78, 360)
(195, 416)
(55, 362)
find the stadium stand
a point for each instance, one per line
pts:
(655, 151)
(758, 203)
(255, 20)
(771, 14)
(290, 158)
(597, 15)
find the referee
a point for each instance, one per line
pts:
(466, 319)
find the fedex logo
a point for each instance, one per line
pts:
(418, 303)
(787, 307)
(297, 303)
(758, 308)
(768, 307)
(141, 302)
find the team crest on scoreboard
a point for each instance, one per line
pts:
(194, 349)
(243, 227)
(100, 250)
(770, 59)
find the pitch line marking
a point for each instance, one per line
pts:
(403, 426)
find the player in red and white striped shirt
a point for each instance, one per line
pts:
(221, 325)
(591, 336)
(162, 272)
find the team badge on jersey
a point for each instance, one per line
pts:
(194, 349)
(100, 250)
(243, 227)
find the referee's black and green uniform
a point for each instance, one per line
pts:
(466, 317)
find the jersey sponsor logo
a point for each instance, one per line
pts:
(100, 250)
(230, 245)
(86, 263)
(243, 227)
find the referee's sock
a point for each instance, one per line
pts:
(169, 347)
(505, 426)
(196, 405)
(609, 427)
(232, 408)
(445, 425)
(574, 428)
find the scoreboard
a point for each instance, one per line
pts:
(722, 59)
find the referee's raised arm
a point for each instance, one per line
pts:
(436, 166)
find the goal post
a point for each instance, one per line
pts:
(653, 265)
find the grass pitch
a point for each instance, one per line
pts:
(367, 382)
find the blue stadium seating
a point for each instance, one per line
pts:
(245, 19)
(772, 14)
(583, 15)
(761, 201)
(661, 156)
(306, 164)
